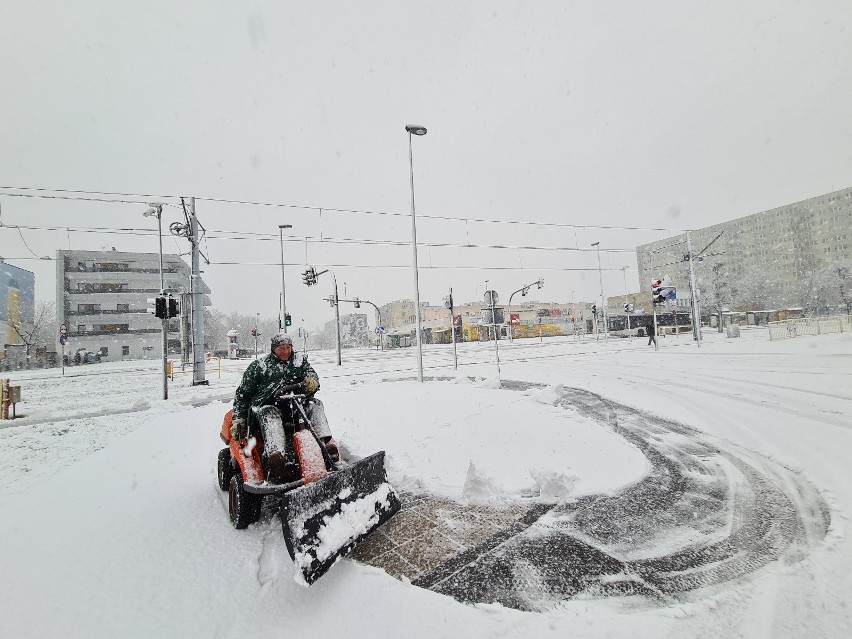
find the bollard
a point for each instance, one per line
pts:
(6, 393)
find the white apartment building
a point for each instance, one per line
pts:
(790, 241)
(101, 297)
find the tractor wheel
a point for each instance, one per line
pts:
(243, 507)
(224, 470)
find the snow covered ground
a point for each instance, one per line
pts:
(111, 523)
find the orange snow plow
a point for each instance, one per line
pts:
(326, 506)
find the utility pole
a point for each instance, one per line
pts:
(696, 318)
(198, 370)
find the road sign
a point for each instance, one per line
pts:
(63, 339)
(63, 330)
(380, 329)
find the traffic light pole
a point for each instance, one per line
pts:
(656, 341)
(166, 314)
(358, 301)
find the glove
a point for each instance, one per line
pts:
(333, 450)
(311, 384)
(238, 428)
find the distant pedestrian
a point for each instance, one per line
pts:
(651, 335)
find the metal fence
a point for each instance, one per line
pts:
(810, 326)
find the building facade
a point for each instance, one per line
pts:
(102, 298)
(789, 244)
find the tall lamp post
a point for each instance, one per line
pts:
(603, 297)
(626, 312)
(282, 320)
(156, 210)
(415, 129)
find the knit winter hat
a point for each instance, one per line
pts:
(281, 338)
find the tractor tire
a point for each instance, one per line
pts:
(224, 469)
(243, 507)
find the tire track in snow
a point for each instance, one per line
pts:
(708, 513)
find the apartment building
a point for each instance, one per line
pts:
(790, 242)
(101, 297)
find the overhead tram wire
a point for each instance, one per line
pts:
(424, 267)
(244, 235)
(76, 194)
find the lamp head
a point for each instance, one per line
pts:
(416, 129)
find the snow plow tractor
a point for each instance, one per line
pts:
(326, 506)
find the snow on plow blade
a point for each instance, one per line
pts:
(324, 520)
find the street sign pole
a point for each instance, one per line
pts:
(63, 337)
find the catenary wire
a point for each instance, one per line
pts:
(76, 194)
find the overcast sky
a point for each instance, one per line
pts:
(656, 115)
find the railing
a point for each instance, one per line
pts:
(810, 326)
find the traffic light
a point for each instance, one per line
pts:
(630, 308)
(309, 276)
(357, 303)
(626, 307)
(288, 321)
(159, 307)
(448, 301)
(595, 310)
(173, 307)
(254, 332)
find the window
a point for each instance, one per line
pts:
(125, 350)
(88, 308)
(122, 307)
(81, 328)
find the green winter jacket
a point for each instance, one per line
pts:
(261, 378)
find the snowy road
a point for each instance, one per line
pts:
(112, 524)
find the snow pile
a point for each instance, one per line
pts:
(478, 488)
(547, 395)
(553, 486)
(435, 432)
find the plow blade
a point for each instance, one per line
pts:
(324, 520)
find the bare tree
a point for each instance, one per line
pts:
(40, 332)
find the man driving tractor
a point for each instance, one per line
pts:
(259, 380)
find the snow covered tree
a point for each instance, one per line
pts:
(40, 332)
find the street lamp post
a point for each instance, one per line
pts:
(603, 297)
(156, 210)
(415, 129)
(282, 320)
(626, 312)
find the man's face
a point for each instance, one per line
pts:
(283, 351)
